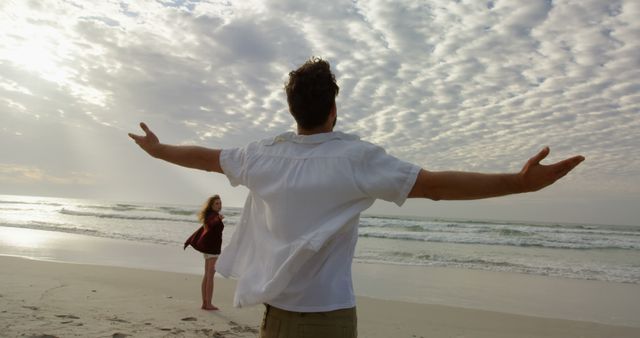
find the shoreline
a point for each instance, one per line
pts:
(608, 303)
(64, 299)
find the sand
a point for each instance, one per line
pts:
(51, 299)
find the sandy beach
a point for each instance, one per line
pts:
(52, 299)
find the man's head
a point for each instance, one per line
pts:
(311, 93)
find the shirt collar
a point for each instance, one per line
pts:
(313, 139)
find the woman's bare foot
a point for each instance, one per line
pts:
(209, 307)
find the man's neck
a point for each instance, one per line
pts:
(319, 130)
(327, 127)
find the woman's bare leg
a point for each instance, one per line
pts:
(207, 283)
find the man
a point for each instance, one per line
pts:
(294, 243)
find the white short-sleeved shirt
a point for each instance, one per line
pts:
(295, 240)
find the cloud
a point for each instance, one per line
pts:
(448, 85)
(25, 174)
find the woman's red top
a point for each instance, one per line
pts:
(208, 238)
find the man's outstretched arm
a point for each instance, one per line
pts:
(186, 156)
(453, 185)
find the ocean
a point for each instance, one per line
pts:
(579, 251)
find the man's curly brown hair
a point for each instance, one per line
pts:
(311, 93)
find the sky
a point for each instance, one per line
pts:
(448, 85)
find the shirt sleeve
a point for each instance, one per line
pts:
(234, 163)
(382, 176)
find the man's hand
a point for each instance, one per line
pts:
(458, 185)
(535, 176)
(186, 156)
(149, 142)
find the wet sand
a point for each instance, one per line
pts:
(51, 299)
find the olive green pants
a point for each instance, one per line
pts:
(278, 323)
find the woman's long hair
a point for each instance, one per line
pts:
(206, 208)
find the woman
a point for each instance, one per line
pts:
(208, 240)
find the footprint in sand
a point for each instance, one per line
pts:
(237, 328)
(116, 319)
(119, 335)
(189, 319)
(174, 331)
(44, 336)
(67, 316)
(34, 308)
(221, 334)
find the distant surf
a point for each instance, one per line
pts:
(583, 251)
